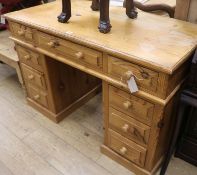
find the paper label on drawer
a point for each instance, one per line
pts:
(2, 20)
(132, 85)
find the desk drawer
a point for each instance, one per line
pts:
(37, 95)
(128, 127)
(22, 32)
(127, 148)
(34, 77)
(31, 58)
(70, 50)
(131, 105)
(145, 78)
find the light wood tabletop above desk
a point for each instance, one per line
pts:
(154, 41)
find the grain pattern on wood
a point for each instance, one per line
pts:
(72, 51)
(131, 105)
(144, 50)
(128, 127)
(30, 58)
(97, 74)
(127, 148)
(33, 77)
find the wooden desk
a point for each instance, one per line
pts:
(63, 64)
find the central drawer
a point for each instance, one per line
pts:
(70, 50)
(131, 105)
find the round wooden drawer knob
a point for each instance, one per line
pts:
(36, 97)
(128, 75)
(27, 57)
(51, 44)
(123, 150)
(79, 55)
(127, 104)
(21, 32)
(30, 77)
(125, 128)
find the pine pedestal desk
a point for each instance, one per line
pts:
(64, 65)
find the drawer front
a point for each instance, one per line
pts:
(127, 148)
(37, 95)
(22, 32)
(30, 58)
(128, 127)
(70, 50)
(121, 70)
(34, 77)
(131, 105)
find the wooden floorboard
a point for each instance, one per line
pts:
(4, 169)
(19, 158)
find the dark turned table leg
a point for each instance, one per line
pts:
(66, 11)
(130, 9)
(95, 5)
(104, 23)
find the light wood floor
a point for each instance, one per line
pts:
(30, 144)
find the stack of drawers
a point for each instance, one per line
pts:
(32, 66)
(138, 125)
(128, 136)
(33, 74)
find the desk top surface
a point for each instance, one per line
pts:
(154, 41)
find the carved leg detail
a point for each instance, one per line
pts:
(66, 11)
(104, 26)
(95, 5)
(104, 23)
(130, 9)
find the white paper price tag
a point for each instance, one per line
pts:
(2, 20)
(132, 85)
